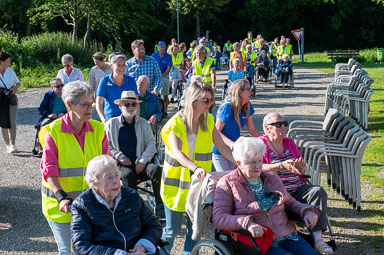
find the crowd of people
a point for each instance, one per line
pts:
(91, 168)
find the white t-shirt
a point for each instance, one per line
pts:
(96, 74)
(76, 75)
(191, 138)
(9, 78)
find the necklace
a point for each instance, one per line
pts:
(274, 148)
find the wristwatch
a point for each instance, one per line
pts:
(281, 166)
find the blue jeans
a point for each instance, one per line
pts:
(172, 228)
(221, 163)
(289, 247)
(274, 64)
(62, 234)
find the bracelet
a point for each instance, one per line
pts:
(195, 169)
(61, 195)
(245, 222)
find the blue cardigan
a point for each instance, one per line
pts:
(45, 108)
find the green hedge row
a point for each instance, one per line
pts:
(47, 48)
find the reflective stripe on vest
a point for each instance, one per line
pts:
(176, 180)
(176, 61)
(204, 72)
(72, 162)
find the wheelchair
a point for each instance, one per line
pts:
(241, 242)
(257, 75)
(179, 87)
(277, 79)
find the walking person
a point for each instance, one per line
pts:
(69, 143)
(9, 83)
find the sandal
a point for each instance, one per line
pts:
(322, 247)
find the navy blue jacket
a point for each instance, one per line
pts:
(95, 229)
(45, 108)
(284, 65)
(152, 105)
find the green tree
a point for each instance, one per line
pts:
(199, 8)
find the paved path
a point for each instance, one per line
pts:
(24, 230)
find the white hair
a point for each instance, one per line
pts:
(145, 78)
(196, 78)
(95, 167)
(67, 58)
(248, 148)
(235, 60)
(285, 56)
(267, 119)
(72, 91)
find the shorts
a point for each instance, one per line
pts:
(165, 85)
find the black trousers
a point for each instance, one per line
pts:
(151, 172)
(316, 196)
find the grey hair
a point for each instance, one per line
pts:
(116, 57)
(235, 60)
(72, 91)
(196, 78)
(248, 148)
(285, 56)
(54, 80)
(67, 58)
(144, 77)
(267, 118)
(236, 45)
(94, 167)
(201, 48)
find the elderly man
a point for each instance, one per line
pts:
(204, 66)
(51, 108)
(203, 43)
(164, 60)
(132, 144)
(110, 219)
(141, 64)
(149, 105)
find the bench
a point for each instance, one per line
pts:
(335, 54)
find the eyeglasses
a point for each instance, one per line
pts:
(59, 86)
(129, 104)
(86, 105)
(279, 124)
(206, 100)
(66, 65)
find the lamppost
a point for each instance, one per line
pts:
(178, 23)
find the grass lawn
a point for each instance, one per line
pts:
(370, 221)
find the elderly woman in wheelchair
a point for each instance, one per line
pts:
(283, 157)
(256, 201)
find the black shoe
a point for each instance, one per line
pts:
(159, 211)
(172, 100)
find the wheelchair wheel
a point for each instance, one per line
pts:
(160, 145)
(276, 78)
(179, 91)
(256, 80)
(210, 246)
(145, 190)
(290, 82)
(161, 102)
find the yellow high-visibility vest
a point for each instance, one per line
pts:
(229, 47)
(176, 179)
(205, 71)
(72, 162)
(284, 50)
(253, 57)
(176, 61)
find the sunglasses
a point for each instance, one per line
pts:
(279, 124)
(206, 100)
(58, 86)
(129, 104)
(66, 65)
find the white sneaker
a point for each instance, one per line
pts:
(12, 149)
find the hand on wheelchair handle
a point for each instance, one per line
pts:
(64, 206)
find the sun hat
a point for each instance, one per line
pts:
(127, 95)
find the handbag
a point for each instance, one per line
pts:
(13, 100)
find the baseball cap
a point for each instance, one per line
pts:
(161, 43)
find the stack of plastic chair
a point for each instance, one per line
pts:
(346, 66)
(346, 73)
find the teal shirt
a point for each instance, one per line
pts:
(58, 106)
(266, 201)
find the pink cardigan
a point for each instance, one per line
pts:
(234, 200)
(288, 143)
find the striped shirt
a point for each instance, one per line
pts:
(290, 181)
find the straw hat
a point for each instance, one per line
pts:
(127, 95)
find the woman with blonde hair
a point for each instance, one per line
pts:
(235, 112)
(188, 138)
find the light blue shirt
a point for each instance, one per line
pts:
(235, 76)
